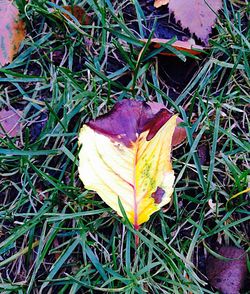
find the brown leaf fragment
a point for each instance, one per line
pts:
(227, 275)
(186, 46)
(159, 3)
(179, 134)
(12, 31)
(10, 123)
(198, 16)
(79, 13)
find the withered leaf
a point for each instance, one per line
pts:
(227, 275)
(186, 46)
(198, 16)
(12, 31)
(10, 123)
(78, 12)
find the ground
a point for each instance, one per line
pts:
(57, 237)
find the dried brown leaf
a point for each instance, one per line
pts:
(10, 123)
(78, 12)
(198, 16)
(227, 275)
(12, 31)
(186, 46)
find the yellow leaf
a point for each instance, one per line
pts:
(136, 167)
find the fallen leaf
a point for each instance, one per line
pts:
(186, 46)
(126, 153)
(10, 123)
(227, 275)
(159, 3)
(12, 31)
(78, 12)
(198, 16)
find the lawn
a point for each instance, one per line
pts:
(57, 237)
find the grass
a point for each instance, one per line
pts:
(57, 237)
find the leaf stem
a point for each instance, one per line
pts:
(137, 227)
